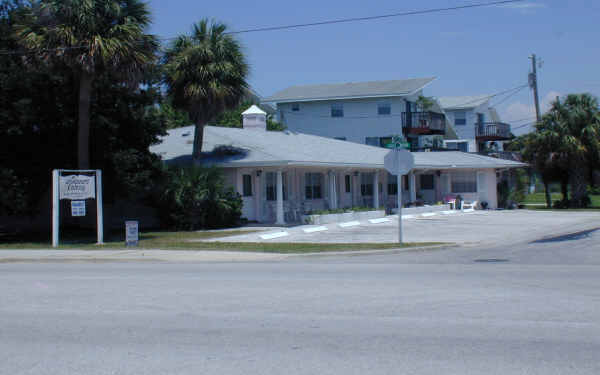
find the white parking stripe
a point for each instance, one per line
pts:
(349, 224)
(270, 236)
(314, 229)
(404, 217)
(379, 221)
(427, 214)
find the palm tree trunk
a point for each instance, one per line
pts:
(547, 192)
(577, 179)
(83, 129)
(198, 139)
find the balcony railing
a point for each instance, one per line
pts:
(492, 131)
(423, 123)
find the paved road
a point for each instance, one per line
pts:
(438, 312)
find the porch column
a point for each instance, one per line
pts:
(376, 190)
(332, 191)
(258, 196)
(280, 218)
(412, 186)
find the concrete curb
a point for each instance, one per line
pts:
(190, 256)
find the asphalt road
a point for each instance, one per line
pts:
(530, 308)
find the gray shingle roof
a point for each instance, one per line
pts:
(232, 147)
(349, 90)
(463, 102)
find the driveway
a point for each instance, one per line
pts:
(487, 228)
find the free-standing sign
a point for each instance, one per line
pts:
(77, 187)
(77, 208)
(399, 162)
(131, 233)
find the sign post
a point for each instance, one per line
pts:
(399, 161)
(77, 186)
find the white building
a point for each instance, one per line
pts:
(364, 112)
(477, 125)
(281, 175)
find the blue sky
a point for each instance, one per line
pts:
(474, 51)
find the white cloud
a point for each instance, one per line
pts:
(520, 111)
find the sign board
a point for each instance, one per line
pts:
(131, 233)
(399, 162)
(77, 187)
(77, 208)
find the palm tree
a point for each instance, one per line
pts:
(573, 129)
(205, 74)
(91, 37)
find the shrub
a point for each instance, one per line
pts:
(196, 198)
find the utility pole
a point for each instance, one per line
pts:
(534, 85)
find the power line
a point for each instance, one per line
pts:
(489, 96)
(510, 96)
(369, 18)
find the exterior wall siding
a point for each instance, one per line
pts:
(360, 120)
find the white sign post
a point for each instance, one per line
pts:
(399, 162)
(76, 187)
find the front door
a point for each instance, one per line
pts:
(248, 192)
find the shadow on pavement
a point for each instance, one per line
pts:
(568, 237)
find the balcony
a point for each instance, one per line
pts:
(492, 131)
(423, 123)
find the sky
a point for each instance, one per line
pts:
(470, 51)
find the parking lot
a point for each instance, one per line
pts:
(471, 229)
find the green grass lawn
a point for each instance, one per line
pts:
(540, 198)
(188, 241)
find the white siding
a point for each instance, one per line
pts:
(360, 118)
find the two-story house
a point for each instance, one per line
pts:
(477, 125)
(365, 112)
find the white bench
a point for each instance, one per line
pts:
(469, 206)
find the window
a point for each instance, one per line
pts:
(347, 180)
(426, 182)
(340, 138)
(366, 184)
(480, 118)
(460, 146)
(384, 141)
(247, 185)
(460, 118)
(384, 109)
(295, 107)
(392, 184)
(337, 110)
(312, 185)
(405, 186)
(464, 182)
(372, 141)
(272, 186)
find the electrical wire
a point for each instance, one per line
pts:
(509, 96)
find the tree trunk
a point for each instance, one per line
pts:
(547, 191)
(198, 139)
(83, 129)
(577, 179)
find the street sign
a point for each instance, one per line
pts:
(131, 233)
(399, 162)
(77, 208)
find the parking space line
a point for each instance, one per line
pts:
(379, 221)
(270, 236)
(349, 224)
(315, 229)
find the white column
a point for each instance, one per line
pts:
(332, 191)
(376, 190)
(280, 217)
(258, 196)
(55, 207)
(412, 186)
(99, 207)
